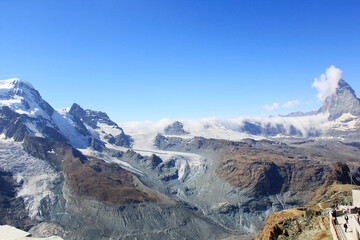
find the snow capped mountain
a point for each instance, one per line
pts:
(23, 112)
(21, 97)
(99, 125)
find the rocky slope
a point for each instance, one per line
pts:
(262, 176)
(88, 176)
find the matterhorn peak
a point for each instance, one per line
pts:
(342, 101)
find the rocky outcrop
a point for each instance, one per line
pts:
(90, 117)
(12, 124)
(176, 128)
(153, 161)
(341, 174)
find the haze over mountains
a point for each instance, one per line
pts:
(196, 179)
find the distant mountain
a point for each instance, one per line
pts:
(342, 101)
(337, 118)
(176, 128)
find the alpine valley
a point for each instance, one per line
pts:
(77, 174)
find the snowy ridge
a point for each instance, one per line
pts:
(38, 177)
(22, 98)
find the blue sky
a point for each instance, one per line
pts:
(148, 60)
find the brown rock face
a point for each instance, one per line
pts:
(88, 176)
(268, 172)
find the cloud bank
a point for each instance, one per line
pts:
(328, 82)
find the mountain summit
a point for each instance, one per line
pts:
(23, 98)
(342, 101)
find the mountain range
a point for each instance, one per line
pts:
(76, 173)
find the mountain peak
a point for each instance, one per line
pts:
(23, 98)
(14, 83)
(343, 100)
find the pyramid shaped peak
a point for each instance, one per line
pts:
(342, 101)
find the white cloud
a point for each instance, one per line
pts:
(328, 82)
(290, 104)
(275, 105)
